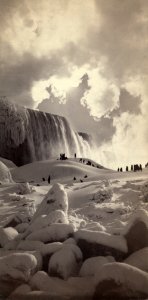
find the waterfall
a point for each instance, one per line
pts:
(27, 135)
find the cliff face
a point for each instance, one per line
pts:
(27, 135)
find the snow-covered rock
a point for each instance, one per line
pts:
(65, 262)
(139, 259)
(92, 265)
(70, 241)
(23, 289)
(136, 231)
(53, 233)
(55, 199)
(35, 253)
(48, 249)
(57, 216)
(12, 245)
(17, 266)
(73, 288)
(121, 281)
(7, 234)
(5, 175)
(30, 245)
(95, 243)
(24, 188)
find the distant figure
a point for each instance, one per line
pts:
(85, 176)
(81, 180)
(75, 155)
(140, 167)
(43, 179)
(126, 168)
(83, 161)
(118, 170)
(131, 167)
(62, 156)
(74, 178)
(49, 179)
(121, 169)
(80, 160)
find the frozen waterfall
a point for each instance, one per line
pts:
(27, 135)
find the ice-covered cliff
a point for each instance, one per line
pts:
(27, 135)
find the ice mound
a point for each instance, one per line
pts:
(55, 199)
(5, 175)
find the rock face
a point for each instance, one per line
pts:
(28, 135)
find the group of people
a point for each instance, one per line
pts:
(134, 168)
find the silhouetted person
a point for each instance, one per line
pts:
(75, 155)
(126, 168)
(74, 178)
(81, 180)
(80, 160)
(85, 176)
(118, 170)
(140, 167)
(49, 179)
(121, 169)
(43, 179)
(131, 167)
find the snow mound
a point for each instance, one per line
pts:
(55, 199)
(92, 265)
(17, 266)
(65, 262)
(7, 234)
(139, 259)
(5, 175)
(118, 279)
(53, 233)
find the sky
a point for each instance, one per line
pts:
(86, 60)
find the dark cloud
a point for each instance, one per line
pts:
(127, 103)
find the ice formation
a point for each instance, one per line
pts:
(36, 135)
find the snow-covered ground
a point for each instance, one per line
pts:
(89, 203)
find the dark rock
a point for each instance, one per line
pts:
(8, 286)
(137, 236)
(13, 222)
(90, 249)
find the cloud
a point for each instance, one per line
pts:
(90, 55)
